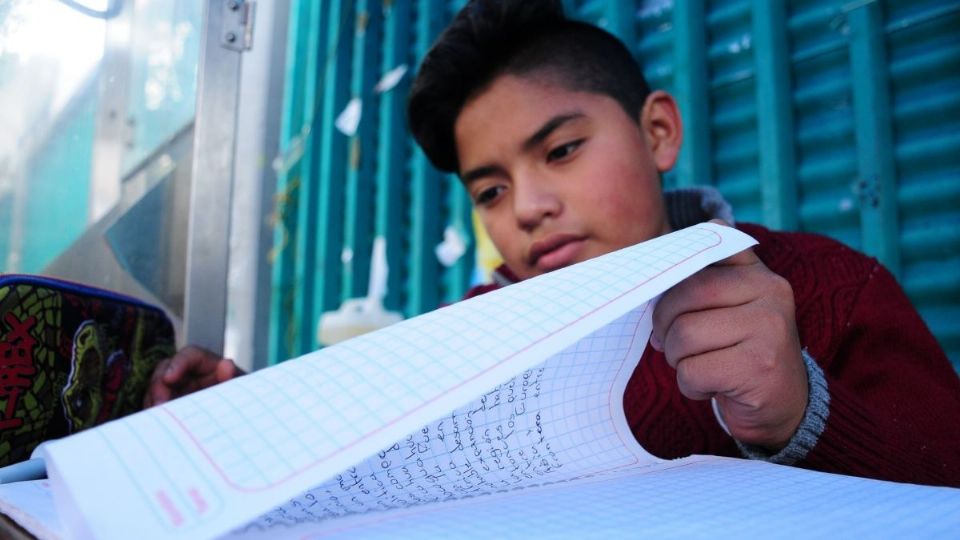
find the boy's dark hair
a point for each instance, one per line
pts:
(489, 38)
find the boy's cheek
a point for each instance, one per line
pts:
(508, 244)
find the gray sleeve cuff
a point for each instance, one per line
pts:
(811, 427)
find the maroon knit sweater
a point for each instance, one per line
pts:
(894, 411)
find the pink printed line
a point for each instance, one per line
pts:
(619, 402)
(230, 483)
(176, 519)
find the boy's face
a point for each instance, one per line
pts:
(559, 176)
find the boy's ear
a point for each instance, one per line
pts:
(661, 125)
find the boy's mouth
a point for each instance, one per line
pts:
(555, 251)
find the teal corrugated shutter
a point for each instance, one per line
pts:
(830, 116)
(338, 192)
(858, 108)
(922, 41)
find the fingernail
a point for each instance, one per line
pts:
(655, 343)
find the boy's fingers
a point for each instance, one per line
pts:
(711, 288)
(191, 369)
(199, 383)
(189, 359)
(156, 394)
(226, 370)
(703, 376)
(743, 258)
(155, 384)
(699, 332)
(176, 366)
(161, 394)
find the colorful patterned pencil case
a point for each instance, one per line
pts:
(71, 357)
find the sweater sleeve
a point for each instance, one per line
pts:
(894, 397)
(810, 429)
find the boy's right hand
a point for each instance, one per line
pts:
(191, 369)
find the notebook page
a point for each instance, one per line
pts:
(558, 421)
(699, 497)
(561, 420)
(204, 464)
(30, 504)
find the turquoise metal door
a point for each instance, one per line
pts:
(830, 116)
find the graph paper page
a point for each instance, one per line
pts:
(202, 465)
(556, 422)
(704, 497)
(30, 504)
(697, 497)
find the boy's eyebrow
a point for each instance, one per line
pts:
(479, 172)
(532, 141)
(549, 127)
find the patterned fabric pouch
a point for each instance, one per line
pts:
(71, 357)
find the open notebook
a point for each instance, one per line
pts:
(501, 415)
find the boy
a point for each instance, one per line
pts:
(799, 352)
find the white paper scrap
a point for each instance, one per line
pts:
(452, 248)
(391, 79)
(349, 119)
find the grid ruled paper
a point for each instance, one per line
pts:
(704, 497)
(697, 497)
(30, 505)
(206, 463)
(556, 422)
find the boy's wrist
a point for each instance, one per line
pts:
(811, 427)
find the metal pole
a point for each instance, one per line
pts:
(212, 179)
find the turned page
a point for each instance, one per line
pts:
(560, 421)
(207, 463)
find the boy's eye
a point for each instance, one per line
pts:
(487, 195)
(563, 150)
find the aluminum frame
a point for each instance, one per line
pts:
(211, 190)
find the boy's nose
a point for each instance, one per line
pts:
(534, 200)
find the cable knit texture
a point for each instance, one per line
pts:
(894, 398)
